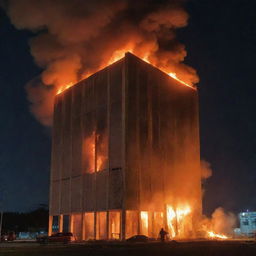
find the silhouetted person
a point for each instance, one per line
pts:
(162, 234)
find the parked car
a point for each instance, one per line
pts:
(138, 238)
(61, 237)
(4, 238)
(8, 237)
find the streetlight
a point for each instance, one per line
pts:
(1, 222)
(2, 211)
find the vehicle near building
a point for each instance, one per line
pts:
(8, 237)
(138, 238)
(60, 237)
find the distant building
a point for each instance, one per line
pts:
(29, 235)
(247, 223)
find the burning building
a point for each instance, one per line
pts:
(125, 155)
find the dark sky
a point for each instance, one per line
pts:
(24, 143)
(221, 44)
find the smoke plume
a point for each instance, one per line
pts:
(221, 222)
(206, 171)
(73, 39)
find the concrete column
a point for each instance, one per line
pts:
(124, 88)
(139, 224)
(83, 226)
(95, 225)
(50, 226)
(61, 223)
(71, 223)
(123, 221)
(108, 165)
(165, 218)
(107, 224)
(150, 224)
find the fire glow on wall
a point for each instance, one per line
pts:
(125, 155)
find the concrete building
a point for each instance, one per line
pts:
(125, 155)
(247, 223)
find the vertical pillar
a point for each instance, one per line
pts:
(71, 223)
(139, 223)
(176, 226)
(165, 218)
(83, 226)
(123, 222)
(108, 164)
(107, 224)
(95, 162)
(61, 223)
(50, 226)
(95, 225)
(124, 88)
(138, 169)
(150, 224)
(153, 224)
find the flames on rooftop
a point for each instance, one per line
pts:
(119, 55)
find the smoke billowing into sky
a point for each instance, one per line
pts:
(74, 39)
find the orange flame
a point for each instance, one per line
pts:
(171, 217)
(173, 75)
(90, 153)
(144, 222)
(211, 234)
(177, 219)
(144, 218)
(119, 54)
(65, 87)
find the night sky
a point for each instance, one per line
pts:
(221, 44)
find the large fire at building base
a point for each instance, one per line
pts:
(125, 155)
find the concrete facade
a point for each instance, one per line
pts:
(125, 145)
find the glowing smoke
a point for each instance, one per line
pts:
(206, 171)
(76, 38)
(221, 222)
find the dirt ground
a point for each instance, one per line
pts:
(204, 248)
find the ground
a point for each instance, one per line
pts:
(199, 248)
